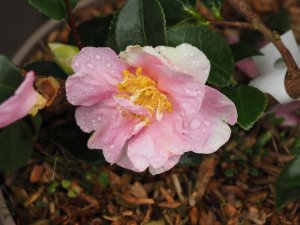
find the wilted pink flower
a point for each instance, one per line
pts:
(20, 104)
(149, 106)
(289, 112)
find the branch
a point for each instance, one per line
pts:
(71, 22)
(237, 24)
(293, 72)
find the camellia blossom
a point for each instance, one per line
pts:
(25, 100)
(149, 105)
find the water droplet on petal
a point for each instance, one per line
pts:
(195, 124)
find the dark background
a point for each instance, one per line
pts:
(18, 20)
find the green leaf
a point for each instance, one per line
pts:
(141, 22)
(71, 139)
(103, 179)
(66, 183)
(16, 146)
(242, 51)
(295, 148)
(215, 6)
(63, 55)
(46, 68)
(179, 11)
(281, 22)
(111, 37)
(10, 78)
(288, 184)
(250, 103)
(54, 9)
(213, 46)
(93, 32)
(191, 159)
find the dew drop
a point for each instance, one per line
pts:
(90, 66)
(195, 124)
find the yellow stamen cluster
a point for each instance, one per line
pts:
(142, 90)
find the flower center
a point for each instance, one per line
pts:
(142, 90)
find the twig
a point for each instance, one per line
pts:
(237, 24)
(71, 22)
(293, 73)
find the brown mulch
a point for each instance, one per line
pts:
(234, 186)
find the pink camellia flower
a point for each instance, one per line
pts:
(149, 105)
(21, 103)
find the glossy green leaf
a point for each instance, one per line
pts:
(191, 159)
(242, 51)
(16, 146)
(46, 68)
(250, 103)
(54, 9)
(93, 32)
(10, 78)
(179, 11)
(288, 184)
(141, 22)
(214, 5)
(73, 141)
(111, 38)
(213, 46)
(63, 55)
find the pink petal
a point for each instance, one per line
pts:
(143, 152)
(248, 67)
(289, 112)
(145, 57)
(97, 72)
(90, 118)
(219, 106)
(157, 143)
(206, 133)
(185, 92)
(20, 104)
(173, 58)
(112, 135)
(131, 107)
(84, 89)
(172, 161)
(187, 59)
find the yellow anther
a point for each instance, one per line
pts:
(142, 90)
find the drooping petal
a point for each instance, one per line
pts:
(97, 72)
(187, 59)
(219, 106)
(112, 135)
(20, 104)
